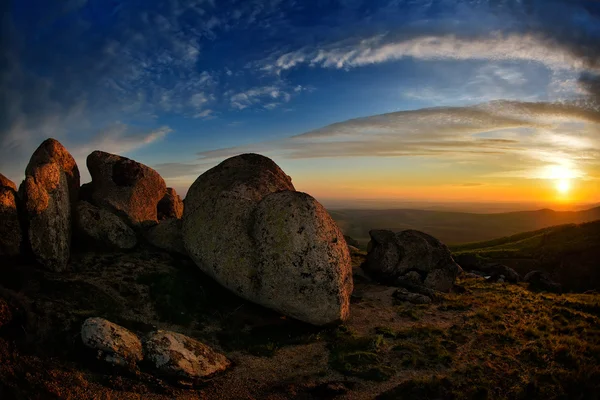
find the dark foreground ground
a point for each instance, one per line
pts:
(495, 341)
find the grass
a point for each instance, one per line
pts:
(569, 253)
(510, 344)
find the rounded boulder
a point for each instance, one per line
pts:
(125, 187)
(304, 267)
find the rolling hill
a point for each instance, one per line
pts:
(455, 227)
(570, 253)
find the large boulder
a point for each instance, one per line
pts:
(11, 235)
(392, 257)
(125, 187)
(50, 187)
(170, 206)
(178, 356)
(101, 228)
(221, 225)
(304, 267)
(115, 344)
(51, 151)
(166, 235)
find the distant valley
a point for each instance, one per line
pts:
(455, 227)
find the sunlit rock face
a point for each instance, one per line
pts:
(10, 228)
(125, 187)
(276, 251)
(410, 257)
(170, 206)
(115, 344)
(49, 191)
(179, 356)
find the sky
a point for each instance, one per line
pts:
(391, 100)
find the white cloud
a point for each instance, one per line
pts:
(259, 95)
(381, 48)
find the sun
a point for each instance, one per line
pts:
(563, 186)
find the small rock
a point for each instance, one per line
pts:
(182, 357)
(102, 228)
(115, 344)
(497, 270)
(167, 235)
(170, 206)
(392, 255)
(541, 281)
(415, 298)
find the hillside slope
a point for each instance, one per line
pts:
(571, 253)
(455, 227)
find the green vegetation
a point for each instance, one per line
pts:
(568, 252)
(360, 356)
(454, 227)
(511, 344)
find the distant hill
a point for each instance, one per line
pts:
(571, 253)
(455, 227)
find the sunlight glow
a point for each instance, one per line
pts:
(563, 186)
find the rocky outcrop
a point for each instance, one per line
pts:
(166, 235)
(222, 234)
(392, 256)
(497, 272)
(48, 191)
(125, 187)
(115, 344)
(541, 281)
(179, 356)
(170, 206)
(11, 235)
(304, 264)
(102, 229)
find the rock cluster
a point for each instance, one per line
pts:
(246, 226)
(492, 271)
(171, 354)
(410, 258)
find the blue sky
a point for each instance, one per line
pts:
(182, 84)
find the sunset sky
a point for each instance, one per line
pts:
(417, 100)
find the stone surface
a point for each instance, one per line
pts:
(496, 270)
(101, 228)
(11, 234)
(220, 216)
(167, 235)
(115, 344)
(170, 206)
(304, 268)
(50, 187)
(125, 187)
(415, 298)
(391, 256)
(179, 356)
(541, 281)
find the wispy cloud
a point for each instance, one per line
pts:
(268, 96)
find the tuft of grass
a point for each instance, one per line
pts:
(360, 356)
